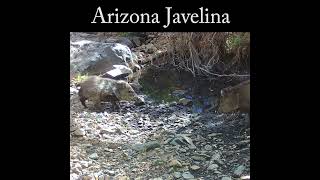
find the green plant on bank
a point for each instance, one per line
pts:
(124, 34)
(79, 78)
(237, 40)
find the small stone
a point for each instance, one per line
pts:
(177, 174)
(94, 156)
(182, 150)
(213, 167)
(87, 178)
(152, 145)
(194, 167)
(175, 163)
(198, 158)
(76, 171)
(84, 164)
(110, 172)
(79, 132)
(187, 175)
(239, 170)
(245, 177)
(179, 92)
(74, 176)
(122, 178)
(184, 101)
(133, 132)
(208, 147)
(213, 134)
(226, 178)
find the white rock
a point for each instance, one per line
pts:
(184, 101)
(245, 177)
(239, 170)
(194, 167)
(94, 156)
(226, 178)
(187, 175)
(74, 176)
(84, 164)
(208, 147)
(79, 132)
(177, 174)
(213, 167)
(133, 132)
(175, 163)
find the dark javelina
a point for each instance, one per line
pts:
(236, 98)
(98, 89)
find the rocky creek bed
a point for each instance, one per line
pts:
(166, 138)
(157, 141)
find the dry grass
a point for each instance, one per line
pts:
(210, 53)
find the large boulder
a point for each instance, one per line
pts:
(96, 58)
(99, 37)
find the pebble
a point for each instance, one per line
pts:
(226, 178)
(94, 156)
(208, 147)
(177, 174)
(79, 132)
(122, 178)
(74, 176)
(175, 163)
(239, 170)
(213, 167)
(194, 167)
(245, 177)
(187, 175)
(184, 101)
(198, 158)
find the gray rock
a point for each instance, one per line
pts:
(184, 101)
(198, 158)
(208, 147)
(79, 132)
(178, 92)
(194, 167)
(73, 90)
(147, 146)
(94, 156)
(175, 163)
(74, 176)
(212, 167)
(187, 175)
(152, 145)
(226, 178)
(121, 40)
(118, 72)
(110, 172)
(239, 170)
(177, 174)
(97, 58)
(245, 177)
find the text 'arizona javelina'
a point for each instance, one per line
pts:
(98, 89)
(236, 98)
